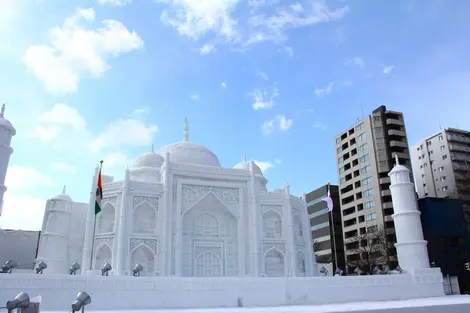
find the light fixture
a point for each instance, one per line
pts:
(324, 271)
(82, 300)
(338, 272)
(73, 269)
(40, 267)
(106, 268)
(8, 266)
(376, 270)
(20, 302)
(137, 269)
(358, 271)
(398, 269)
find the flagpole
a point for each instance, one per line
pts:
(94, 228)
(334, 235)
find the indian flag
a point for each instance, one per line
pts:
(99, 195)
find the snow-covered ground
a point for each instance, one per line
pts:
(455, 304)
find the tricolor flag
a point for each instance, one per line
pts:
(329, 200)
(99, 194)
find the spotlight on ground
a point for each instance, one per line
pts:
(21, 302)
(106, 268)
(82, 300)
(137, 269)
(8, 266)
(74, 268)
(40, 267)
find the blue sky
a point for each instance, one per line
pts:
(104, 79)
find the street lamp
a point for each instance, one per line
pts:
(83, 299)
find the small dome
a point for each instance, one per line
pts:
(62, 197)
(245, 165)
(6, 123)
(149, 159)
(190, 153)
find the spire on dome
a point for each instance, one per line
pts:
(2, 112)
(244, 156)
(185, 130)
(63, 190)
(152, 149)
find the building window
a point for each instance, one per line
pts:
(340, 160)
(362, 137)
(431, 162)
(445, 188)
(339, 150)
(363, 147)
(364, 158)
(371, 216)
(431, 152)
(419, 158)
(372, 229)
(359, 127)
(365, 169)
(338, 140)
(428, 143)
(442, 178)
(441, 137)
(321, 225)
(441, 168)
(443, 148)
(367, 181)
(422, 175)
(342, 180)
(369, 204)
(368, 192)
(417, 149)
(444, 156)
(421, 167)
(341, 170)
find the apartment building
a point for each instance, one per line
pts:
(441, 166)
(326, 227)
(365, 155)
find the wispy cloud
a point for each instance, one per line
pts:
(263, 98)
(194, 97)
(64, 168)
(322, 92)
(388, 69)
(140, 111)
(117, 3)
(207, 49)
(262, 75)
(356, 61)
(223, 84)
(319, 126)
(279, 123)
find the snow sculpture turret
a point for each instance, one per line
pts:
(7, 131)
(411, 246)
(54, 240)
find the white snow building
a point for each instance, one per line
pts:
(179, 213)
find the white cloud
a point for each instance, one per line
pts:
(321, 92)
(223, 84)
(117, 3)
(25, 178)
(75, 51)
(263, 75)
(194, 97)
(63, 168)
(357, 61)
(207, 49)
(279, 123)
(319, 126)
(140, 111)
(265, 165)
(22, 212)
(264, 99)
(220, 19)
(116, 159)
(62, 114)
(129, 133)
(388, 69)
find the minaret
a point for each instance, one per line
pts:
(185, 130)
(7, 131)
(411, 246)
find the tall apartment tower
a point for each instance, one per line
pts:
(326, 227)
(441, 166)
(7, 131)
(365, 155)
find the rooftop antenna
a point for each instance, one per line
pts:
(362, 112)
(63, 190)
(2, 112)
(244, 156)
(185, 130)
(440, 127)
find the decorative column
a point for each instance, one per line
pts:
(7, 131)
(290, 235)
(411, 246)
(90, 223)
(165, 240)
(257, 227)
(122, 243)
(313, 269)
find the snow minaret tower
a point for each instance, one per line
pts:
(7, 131)
(411, 246)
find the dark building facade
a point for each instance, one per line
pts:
(326, 228)
(445, 229)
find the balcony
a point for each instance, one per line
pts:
(460, 167)
(388, 218)
(387, 205)
(385, 193)
(396, 143)
(394, 132)
(459, 148)
(452, 137)
(385, 180)
(394, 121)
(460, 157)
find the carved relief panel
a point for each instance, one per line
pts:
(193, 193)
(144, 215)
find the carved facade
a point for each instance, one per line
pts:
(179, 213)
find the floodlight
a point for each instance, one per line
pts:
(106, 268)
(339, 271)
(40, 267)
(398, 269)
(21, 301)
(323, 270)
(73, 269)
(358, 271)
(137, 269)
(82, 300)
(8, 266)
(376, 270)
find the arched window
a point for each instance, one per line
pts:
(106, 219)
(206, 225)
(144, 219)
(272, 225)
(208, 265)
(103, 254)
(274, 263)
(144, 256)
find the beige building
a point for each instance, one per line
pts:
(365, 155)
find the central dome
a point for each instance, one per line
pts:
(190, 153)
